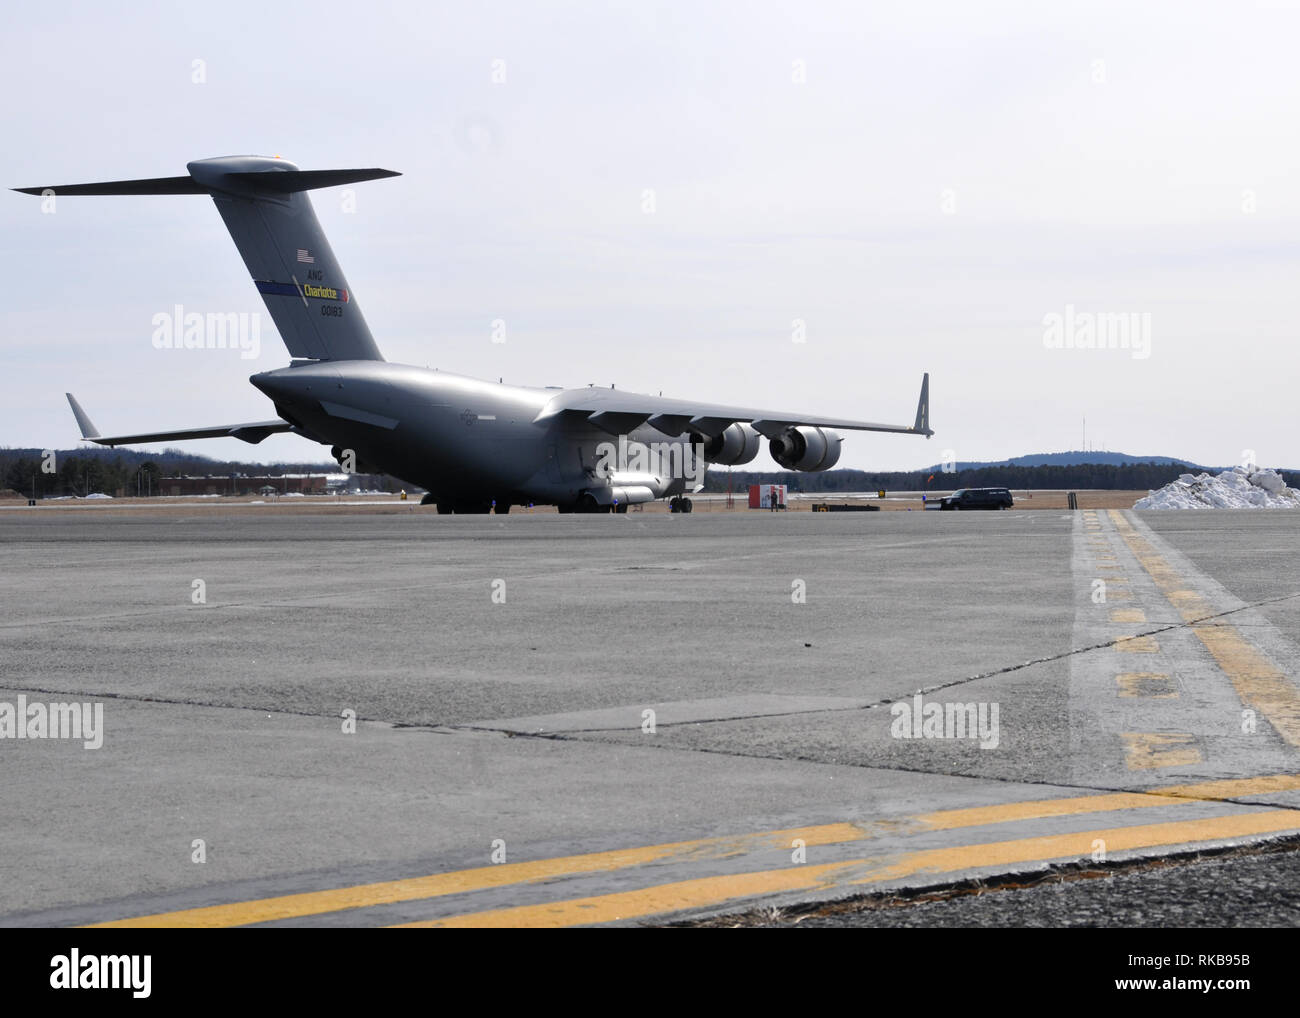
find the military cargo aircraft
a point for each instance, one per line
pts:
(475, 446)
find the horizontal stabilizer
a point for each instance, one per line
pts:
(153, 185)
(284, 181)
(289, 181)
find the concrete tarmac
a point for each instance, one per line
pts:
(360, 719)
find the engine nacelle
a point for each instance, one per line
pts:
(737, 445)
(807, 449)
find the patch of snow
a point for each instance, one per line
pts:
(1238, 488)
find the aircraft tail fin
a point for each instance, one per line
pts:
(272, 223)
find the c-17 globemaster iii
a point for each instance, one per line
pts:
(471, 444)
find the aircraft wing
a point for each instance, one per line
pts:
(619, 412)
(251, 433)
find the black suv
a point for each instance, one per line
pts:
(977, 498)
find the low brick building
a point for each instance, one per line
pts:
(245, 484)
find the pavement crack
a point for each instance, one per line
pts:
(568, 736)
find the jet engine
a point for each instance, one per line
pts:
(806, 448)
(736, 445)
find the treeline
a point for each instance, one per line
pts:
(1118, 477)
(122, 471)
(45, 476)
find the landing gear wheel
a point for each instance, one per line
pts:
(445, 509)
(501, 508)
(674, 504)
(621, 508)
(685, 506)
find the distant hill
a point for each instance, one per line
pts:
(1071, 459)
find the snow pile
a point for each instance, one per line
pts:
(1238, 488)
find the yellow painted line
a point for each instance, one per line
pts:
(1235, 788)
(1127, 615)
(1259, 683)
(295, 906)
(664, 898)
(1039, 809)
(705, 892)
(1080, 844)
(1137, 645)
(1147, 685)
(1151, 750)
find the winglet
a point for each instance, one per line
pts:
(88, 430)
(923, 408)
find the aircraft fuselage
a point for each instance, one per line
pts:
(468, 441)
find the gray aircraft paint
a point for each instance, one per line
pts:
(468, 442)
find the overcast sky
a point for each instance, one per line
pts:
(921, 184)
